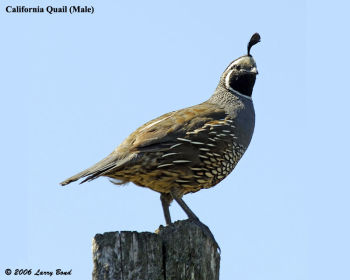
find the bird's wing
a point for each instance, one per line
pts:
(168, 127)
(155, 135)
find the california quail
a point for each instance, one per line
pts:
(190, 149)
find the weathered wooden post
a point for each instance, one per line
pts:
(179, 251)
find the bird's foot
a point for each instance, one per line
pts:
(206, 231)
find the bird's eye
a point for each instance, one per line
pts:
(238, 67)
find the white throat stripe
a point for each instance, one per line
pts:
(240, 94)
(227, 84)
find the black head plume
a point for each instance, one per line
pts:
(254, 40)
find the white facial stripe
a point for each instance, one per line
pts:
(240, 94)
(227, 84)
(227, 79)
(236, 62)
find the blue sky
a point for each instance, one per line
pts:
(74, 86)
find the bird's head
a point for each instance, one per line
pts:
(239, 76)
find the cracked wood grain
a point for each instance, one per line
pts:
(179, 251)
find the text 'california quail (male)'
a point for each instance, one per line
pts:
(190, 149)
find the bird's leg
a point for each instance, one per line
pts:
(192, 216)
(166, 199)
(183, 205)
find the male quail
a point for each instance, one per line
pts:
(190, 149)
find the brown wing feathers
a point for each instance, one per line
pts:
(158, 135)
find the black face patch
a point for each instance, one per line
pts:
(243, 83)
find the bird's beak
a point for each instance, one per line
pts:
(254, 70)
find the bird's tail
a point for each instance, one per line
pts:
(76, 177)
(112, 162)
